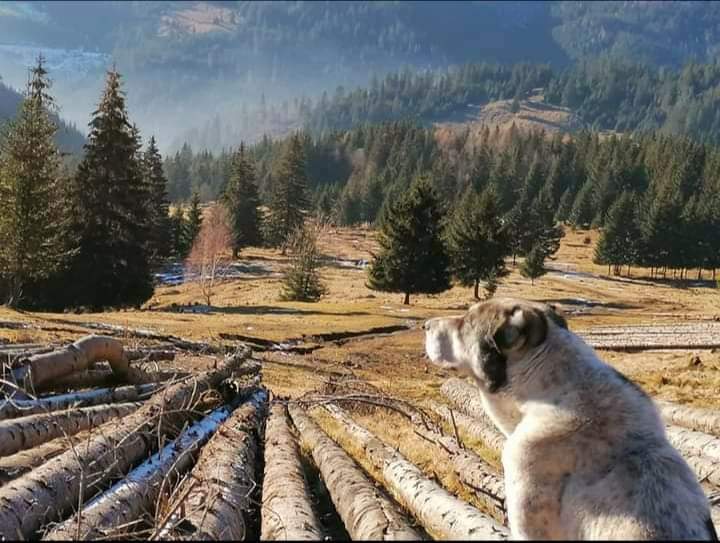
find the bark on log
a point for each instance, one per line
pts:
(100, 396)
(52, 490)
(694, 418)
(366, 512)
(15, 465)
(27, 432)
(44, 368)
(110, 514)
(465, 397)
(150, 355)
(443, 515)
(287, 512)
(705, 469)
(485, 481)
(106, 379)
(692, 443)
(216, 500)
(480, 429)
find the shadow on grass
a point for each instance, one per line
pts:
(273, 310)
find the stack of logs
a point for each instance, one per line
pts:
(195, 458)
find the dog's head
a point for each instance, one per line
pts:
(490, 338)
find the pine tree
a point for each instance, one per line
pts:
(31, 196)
(194, 221)
(242, 201)
(178, 233)
(412, 257)
(301, 281)
(110, 219)
(534, 264)
(477, 243)
(159, 242)
(288, 198)
(618, 242)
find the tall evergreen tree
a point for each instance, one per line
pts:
(477, 243)
(194, 221)
(31, 204)
(288, 198)
(617, 246)
(178, 233)
(242, 201)
(412, 257)
(156, 184)
(110, 219)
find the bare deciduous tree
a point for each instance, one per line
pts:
(210, 253)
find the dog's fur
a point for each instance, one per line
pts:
(586, 455)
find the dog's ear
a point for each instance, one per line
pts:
(523, 327)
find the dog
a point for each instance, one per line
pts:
(586, 455)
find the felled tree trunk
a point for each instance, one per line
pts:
(472, 471)
(23, 408)
(108, 379)
(216, 500)
(694, 418)
(44, 368)
(465, 397)
(443, 515)
(705, 469)
(480, 429)
(287, 512)
(52, 490)
(109, 514)
(366, 512)
(27, 432)
(692, 443)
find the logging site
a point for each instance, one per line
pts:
(359, 270)
(295, 420)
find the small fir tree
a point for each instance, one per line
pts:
(534, 264)
(302, 282)
(242, 201)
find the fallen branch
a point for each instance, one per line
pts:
(287, 512)
(694, 418)
(44, 368)
(20, 408)
(52, 490)
(27, 432)
(443, 515)
(127, 500)
(216, 499)
(366, 512)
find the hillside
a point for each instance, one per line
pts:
(229, 56)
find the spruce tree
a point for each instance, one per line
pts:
(288, 198)
(159, 241)
(110, 218)
(534, 264)
(31, 195)
(477, 243)
(618, 242)
(412, 257)
(194, 221)
(301, 281)
(242, 201)
(178, 233)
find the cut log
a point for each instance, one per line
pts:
(106, 379)
(480, 429)
(150, 355)
(692, 443)
(44, 368)
(287, 512)
(694, 418)
(216, 501)
(49, 492)
(443, 515)
(9, 409)
(27, 432)
(15, 465)
(705, 469)
(465, 397)
(485, 482)
(366, 512)
(111, 513)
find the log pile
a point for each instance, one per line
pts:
(172, 454)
